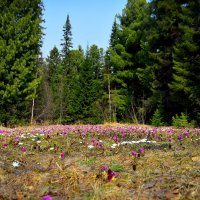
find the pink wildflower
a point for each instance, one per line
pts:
(111, 175)
(104, 168)
(5, 144)
(141, 150)
(180, 137)
(47, 197)
(62, 155)
(23, 149)
(83, 134)
(92, 140)
(134, 153)
(186, 134)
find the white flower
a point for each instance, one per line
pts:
(114, 145)
(38, 141)
(51, 149)
(15, 164)
(151, 142)
(20, 143)
(90, 146)
(143, 140)
(135, 142)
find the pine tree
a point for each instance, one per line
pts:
(20, 43)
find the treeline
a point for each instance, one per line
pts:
(150, 72)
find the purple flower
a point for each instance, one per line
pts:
(134, 153)
(5, 144)
(23, 149)
(104, 168)
(141, 150)
(111, 175)
(186, 134)
(62, 155)
(64, 132)
(83, 134)
(169, 139)
(92, 140)
(47, 197)
(180, 137)
(115, 138)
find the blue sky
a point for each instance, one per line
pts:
(91, 21)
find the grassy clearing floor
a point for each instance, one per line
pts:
(163, 172)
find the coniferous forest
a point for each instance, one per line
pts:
(150, 73)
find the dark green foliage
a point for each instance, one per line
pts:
(91, 87)
(114, 34)
(54, 85)
(20, 43)
(67, 38)
(76, 58)
(127, 52)
(162, 38)
(152, 62)
(186, 79)
(44, 109)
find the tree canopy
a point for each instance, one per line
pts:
(150, 72)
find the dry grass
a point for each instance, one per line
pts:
(161, 173)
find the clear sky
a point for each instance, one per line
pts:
(91, 21)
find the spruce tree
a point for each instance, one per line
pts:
(20, 42)
(54, 80)
(162, 39)
(73, 102)
(127, 54)
(67, 38)
(186, 78)
(65, 70)
(90, 87)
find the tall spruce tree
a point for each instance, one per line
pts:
(127, 54)
(65, 69)
(74, 107)
(67, 38)
(20, 41)
(90, 87)
(162, 39)
(186, 78)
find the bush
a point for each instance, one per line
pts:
(181, 120)
(157, 119)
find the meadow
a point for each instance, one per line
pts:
(99, 162)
